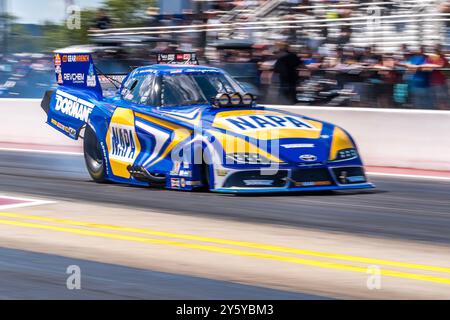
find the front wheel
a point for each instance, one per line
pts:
(93, 156)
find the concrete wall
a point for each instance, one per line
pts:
(23, 121)
(386, 137)
(390, 137)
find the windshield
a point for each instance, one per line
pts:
(196, 88)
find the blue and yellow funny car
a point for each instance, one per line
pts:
(183, 126)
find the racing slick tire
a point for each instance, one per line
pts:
(93, 156)
(205, 177)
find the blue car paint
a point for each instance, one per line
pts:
(100, 116)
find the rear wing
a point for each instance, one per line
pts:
(77, 71)
(79, 90)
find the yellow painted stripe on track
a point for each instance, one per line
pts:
(237, 252)
(244, 244)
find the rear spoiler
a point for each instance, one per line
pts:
(77, 71)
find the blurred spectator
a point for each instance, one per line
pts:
(330, 56)
(369, 57)
(389, 78)
(419, 80)
(286, 66)
(438, 80)
(402, 54)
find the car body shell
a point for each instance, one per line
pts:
(236, 149)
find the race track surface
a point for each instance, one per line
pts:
(30, 275)
(399, 208)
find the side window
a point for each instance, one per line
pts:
(146, 90)
(128, 88)
(141, 89)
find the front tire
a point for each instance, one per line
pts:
(93, 156)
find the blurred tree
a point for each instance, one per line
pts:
(128, 13)
(52, 35)
(6, 20)
(59, 36)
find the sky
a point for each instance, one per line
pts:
(38, 11)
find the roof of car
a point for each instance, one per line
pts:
(177, 68)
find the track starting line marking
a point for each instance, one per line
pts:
(8, 202)
(241, 248)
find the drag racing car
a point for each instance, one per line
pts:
(183, 126)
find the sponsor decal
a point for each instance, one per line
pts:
(72, 106)
(71, 131)
(312, 183)
(174, 182)
(258, 182)
(185, 173)
(176, 168)
(193, 183)
(308, 157)
(182, 182)
(74, 77)
(76, 58)
(105, 161)
(255, 122)
(177, 171)
(57, 60)
(298, 145)
(123, 145)
(60, 79)
(91, 82)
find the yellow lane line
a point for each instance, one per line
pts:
(244, 244)
(230, 251)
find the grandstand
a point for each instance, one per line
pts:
(388, 24)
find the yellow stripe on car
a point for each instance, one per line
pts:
(179, 134)
(232, 144)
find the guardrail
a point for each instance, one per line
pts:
(386, 137)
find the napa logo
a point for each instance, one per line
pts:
(122, 143)
(257, 122)
(72, 106)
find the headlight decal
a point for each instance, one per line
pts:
(231, 144)
(248, 158)
(340, 141)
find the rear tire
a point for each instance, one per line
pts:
(93, 156)
(206, 178)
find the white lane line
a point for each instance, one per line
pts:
(27, 202)
(410, 176)
(381, 174)
(72, 153)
